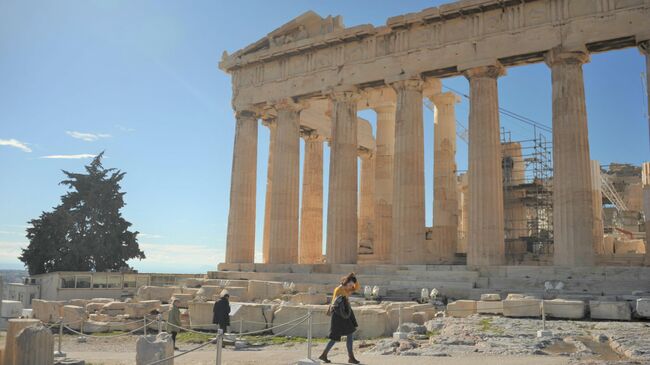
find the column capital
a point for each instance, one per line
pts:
(365, 153)
(287, 104)
(247, 112)
(385, 108)
(560, 55)
(269, 122)
(311, 135)
(488, 71)
(343, 94)
(447, 98)
(410, 83)
(644, 47)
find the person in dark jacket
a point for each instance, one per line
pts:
(343, 322)
(221, 311)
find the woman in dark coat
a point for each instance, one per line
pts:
(343, 322)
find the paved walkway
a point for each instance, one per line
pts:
(290, 356)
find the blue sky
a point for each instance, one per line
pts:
(139, 79)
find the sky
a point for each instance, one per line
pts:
(139, 80)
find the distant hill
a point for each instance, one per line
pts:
(13, 276)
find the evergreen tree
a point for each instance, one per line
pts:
(86, 232)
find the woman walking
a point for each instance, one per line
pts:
(174, 321)
(343, 322)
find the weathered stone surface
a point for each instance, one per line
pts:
(253, 317)
(94, 307)
(643, 307)
(183, 299)
(461, 308)
(489, 307)
(393, 316)
(152, 348)
(142, 308)
(96, 327)
(264, 290)
(491, 297)
(285, 314)
(420, 317)
(201, 315)
(161, 293)
(34, 346)
(561, 308)
(618, 311)
(208, 292)
(114, 306)
(14, 328)
(79, 302)
(73, 316)
(47, 311)
(304, 298)
(523, 307)
(11, 309)
(373, 323)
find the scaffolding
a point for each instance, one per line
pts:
(528, 199)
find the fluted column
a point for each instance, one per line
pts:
(445, 195)
(597, 199)
(270, 123)
(240, 241)
(311, 218)
(486, 220)
(283, 230)
(644, 47)
(342, 198)
(573, 221)
(367, 201)
(384, 183)
(408, 181)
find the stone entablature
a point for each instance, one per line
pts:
(320, 53)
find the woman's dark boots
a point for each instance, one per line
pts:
(352, 360)
(323, 357)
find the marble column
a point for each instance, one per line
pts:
(485, 245)
(342, 198)
(270, 123)
(597, 199)
(384, 183)
(240, 241)
(283, 225)
(573, 221)
(367, 201)
(311, 217)
(463, 219)
(644, 47)
(645, 180)
(445, 194)
(408, 182)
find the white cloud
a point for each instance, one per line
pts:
(88, 137)
(10, 250)
(70, 157)
(149, 235)
(16, 144)
(124, 129)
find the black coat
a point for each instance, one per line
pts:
(221, 312)
(343, 321)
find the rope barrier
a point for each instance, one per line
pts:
(106, 336)
(245, 333)
(184, 353)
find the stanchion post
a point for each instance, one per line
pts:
(159, 319)
(543, 316)
(145, 324)
(241, 326)
(543, 332)
(309, 324)
(219, 345)
(59, 352)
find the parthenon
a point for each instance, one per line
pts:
(310, 77)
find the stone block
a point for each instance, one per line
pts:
(140, 309)
(642, 307)
(522, 307)
(393, 317)
(11, 309)
(237, 291)
(114, 306)
(264, 290)
(617, 311)
(461, 308)
(285, 314)
(78, 302)
(96, 327)
(153, 348)
(253, 316)
(565, 309)
(13, 329)
(183, 299)
(490, 297)
(94, 307)
(161, 293)
(101, 300)
(489, 307)
(420, 317)
(201, 315)
(73, 316)
(373, 323)
(304, 298)
(34, 346)
(208, 292)
(47, 311)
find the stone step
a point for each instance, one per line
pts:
(442, 276)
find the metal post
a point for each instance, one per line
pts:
(309, 324)
(543, 316)
(60, 353)
(145, 324)
(159, 318)
(219, 345)
(399, 312)
(241, 326)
